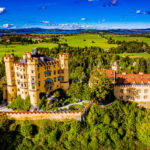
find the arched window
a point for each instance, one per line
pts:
(48, 80)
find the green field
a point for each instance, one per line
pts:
(76, 40)
(82, 40)
(134, 55)
(19, 49)
(128, 38)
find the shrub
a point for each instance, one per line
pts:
(42, 103)
(20, 104)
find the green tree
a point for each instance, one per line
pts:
(143, 133)
(75, 90)
(26, 129)
(100, 85)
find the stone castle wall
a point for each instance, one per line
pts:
(57, 116)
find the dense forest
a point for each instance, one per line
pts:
(119, 126)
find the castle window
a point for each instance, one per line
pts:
(48, 80)
(12, 74)
(12, 89)
(18, 81)
(32, 71)
(62, 71)
(62, 78)
(25, 84)
(38, 75)
(145, 97)
(33, 86)
(58, 71)
(127, 97)
(58, 78)
(18, 89)
(55, 79)
(17, 74)
(12, 68)
(39, 83)
(21, 76)
(54, 72)
(33, 78)
(21, 84)
(47, 73)
(121, 90)
(128, 90)
(24, 76)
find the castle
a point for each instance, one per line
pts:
(130, 87)
(35, 75)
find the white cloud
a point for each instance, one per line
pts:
(113, 2)
(5, 25)
(46, 22)
(90, 0)
(8, 26)
(2, 9)
(138, 11)
(83, 19)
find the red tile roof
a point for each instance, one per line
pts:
(129, 78)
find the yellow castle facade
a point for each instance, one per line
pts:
(35, 75)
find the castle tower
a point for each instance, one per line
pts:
(32, 71)
(10, 77)
(63, 58)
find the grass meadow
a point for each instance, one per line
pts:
(19, 49)
(82, 40)
(128, 38)
(134, 55)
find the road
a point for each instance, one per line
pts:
(67, 106)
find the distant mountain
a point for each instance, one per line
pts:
(40, 30)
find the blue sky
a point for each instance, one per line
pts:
(74, 14)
